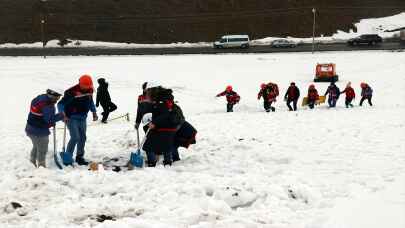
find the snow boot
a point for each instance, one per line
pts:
(81, 161)
(66, 158)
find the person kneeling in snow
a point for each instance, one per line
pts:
(350, 95)
(75, 104)
(313, 96)
(42, 117)
(103, 98)
(334, 94)
(231, 97)
(366, 93)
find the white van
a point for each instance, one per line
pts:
(229, 41)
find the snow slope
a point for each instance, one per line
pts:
(308, 169)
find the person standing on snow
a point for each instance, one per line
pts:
(232, 98)
(366, 93)
(103, 98)
(350, 95)
(334, 94)
(144, 105)
(163, 126)
(292, 95)
(313, 96)
(269, 92)
(75, 104)
(40, 118)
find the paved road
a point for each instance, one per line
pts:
(187, 50)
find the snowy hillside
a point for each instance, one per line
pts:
(317, 168)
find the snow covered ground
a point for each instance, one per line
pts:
(308, 169)
(365, 26)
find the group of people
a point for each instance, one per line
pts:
(165, 133)
(269, 92)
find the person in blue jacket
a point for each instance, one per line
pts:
(41, 117)
(75, 104)
(334, 93)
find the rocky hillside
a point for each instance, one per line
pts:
(164, 21)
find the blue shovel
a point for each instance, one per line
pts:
(136, 158)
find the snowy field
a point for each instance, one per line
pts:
(340, 168)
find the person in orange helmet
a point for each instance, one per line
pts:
(232, 97)
(75, 105)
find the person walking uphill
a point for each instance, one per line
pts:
(40, 118)
(313, 96)
(103, 98)
(75, 104)
(366, 93)
(269, 92)
(350, 95)
(292, 95)
(232, 98)
(334, 94)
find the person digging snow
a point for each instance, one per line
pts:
(40, 118)
(103, 98)
(163, 126)
(232, 98)
(292, 95)
(334, 94)
(313, 96)
(269, 92)
(350, 95)
(75, 104)
(366, 93)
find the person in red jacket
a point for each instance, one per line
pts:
(231, 97)
(292, 95)
(269, 92)
(350, 95)
(313, 96)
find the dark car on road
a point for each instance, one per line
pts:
(368, 39)
(283, 43)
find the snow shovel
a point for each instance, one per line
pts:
(136, 158)
(55, 155)
(66, 157)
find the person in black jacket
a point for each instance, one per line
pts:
(163, 126)
(292, 95)
(103, 98)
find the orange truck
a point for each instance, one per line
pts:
(326, 72)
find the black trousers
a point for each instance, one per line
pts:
(107, 109)
(229, 107)
(294, 104)
(311, 104)
(267, 106)
(368, 99)
(348, 102)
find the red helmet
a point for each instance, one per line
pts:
(311, 86)
(228, 88)
(263, 85)
(363, 85)
(86, 81)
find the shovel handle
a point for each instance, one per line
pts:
(64, 138)
(137, 137)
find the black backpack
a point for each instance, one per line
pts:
(177, 115)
